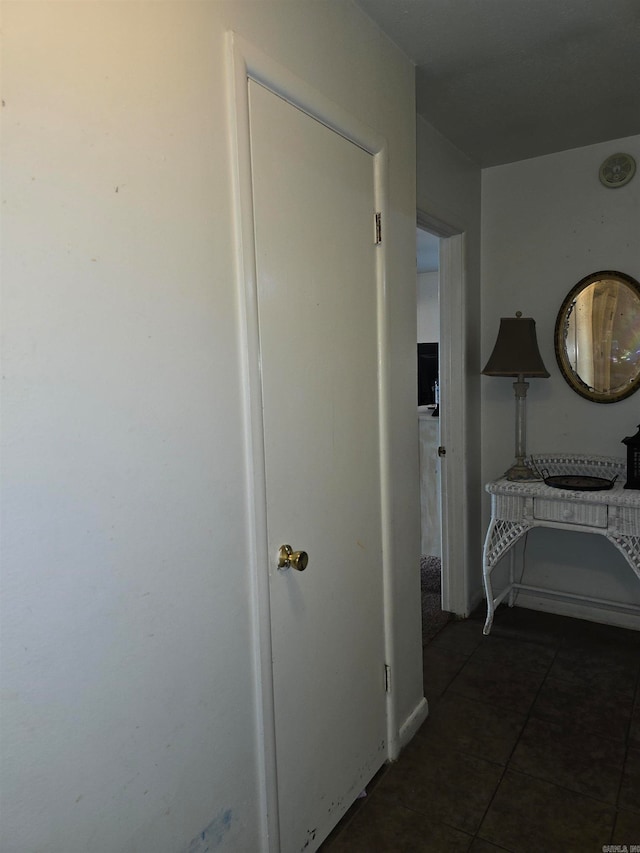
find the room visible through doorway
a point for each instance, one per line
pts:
(428, 399)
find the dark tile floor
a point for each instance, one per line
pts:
(532, 745)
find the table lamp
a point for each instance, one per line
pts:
(516, 354)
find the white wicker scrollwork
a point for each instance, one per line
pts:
(502, 536)
(630, 547)
(554, 464)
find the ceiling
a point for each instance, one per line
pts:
(505, 80)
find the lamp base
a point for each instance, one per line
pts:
(521, 473)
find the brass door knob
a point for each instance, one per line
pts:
(290, 559)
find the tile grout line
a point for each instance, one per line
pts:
(515, 746)
(636, 701)
(560, 644)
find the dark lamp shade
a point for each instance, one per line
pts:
(516, 350)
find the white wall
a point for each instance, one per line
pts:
(547, 223)
(448, 189)
(428, 307)
(129, 718)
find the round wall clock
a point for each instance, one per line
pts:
(617, 170)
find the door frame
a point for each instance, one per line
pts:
(244, 62)
(453, 481)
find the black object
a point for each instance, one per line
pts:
(633, 460)
(579, 483)
(427, 373)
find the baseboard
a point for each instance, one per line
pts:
(475, 601)
(606, 615)
(413, 722)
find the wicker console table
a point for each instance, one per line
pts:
(517, 507)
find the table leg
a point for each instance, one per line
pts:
(512, 576)
(486, 578)
(502, 535)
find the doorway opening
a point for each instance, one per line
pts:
(434, 617)
(456, 561)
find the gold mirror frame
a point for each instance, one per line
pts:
(609, 303)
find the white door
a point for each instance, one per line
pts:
(313, 195)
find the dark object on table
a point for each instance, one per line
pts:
(633, 460)
(579, 483)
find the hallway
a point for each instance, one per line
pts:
(532, 744)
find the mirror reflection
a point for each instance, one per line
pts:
(597, 337)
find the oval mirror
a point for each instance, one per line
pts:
(597, 337)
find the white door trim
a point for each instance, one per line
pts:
(246, 61)
(452, 412)
(453, 418)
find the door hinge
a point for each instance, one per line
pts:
(377, 228)
(387, 678)
(442, 451)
